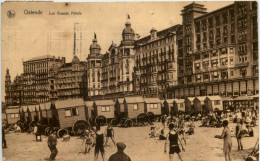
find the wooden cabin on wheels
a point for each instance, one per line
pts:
(89, 109)
(178, 106)
(12, 114)
(243, 102)
(32, 113)
(152, 108)
(213, 103)
(46, 113)
(199, 104)
(168, 106)
(189, 104)
(69, 116)
(134, 112)
(104, 112)
(119, 106)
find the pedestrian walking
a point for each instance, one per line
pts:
(99, 147)
(52, 144)
(120, 155)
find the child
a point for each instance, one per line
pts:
(88, 142)
(250, 131)
(152, 132)
(161, 136)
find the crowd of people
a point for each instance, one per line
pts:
(175, 140)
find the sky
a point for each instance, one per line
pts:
(25, 36)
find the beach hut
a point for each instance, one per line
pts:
(104, 111)
(178, 105)
(152, 108)
(119, 106)
(189, 106)
(32, 113)
(133, 107)
(162, 107)
(24, 113)
(212, 103)
(46, 113)
(89, 109)
(68, 112)
(255, 101)
(243, 102)
(199, 104)
(227, 103)
(38, 112)
(12, 114)
(168, 106)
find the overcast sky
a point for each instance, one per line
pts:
(26, 36)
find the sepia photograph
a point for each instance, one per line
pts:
(130, 81)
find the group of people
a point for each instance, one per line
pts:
(94, 138)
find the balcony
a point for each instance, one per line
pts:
(223, 67)
(188, 72)
(245, 64)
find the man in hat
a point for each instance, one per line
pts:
(120, 155)
(52, 143)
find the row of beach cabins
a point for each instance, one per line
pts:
(64, 113)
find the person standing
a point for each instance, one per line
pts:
(110, 134)
(173, 140)
(226, 135)
(239, 134)
(35, 129)
(52, 143)
(99, 144)
(3, 138)
(120, 155)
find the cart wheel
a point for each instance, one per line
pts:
(32, 124)
(150, 116)
(113, 122)
(100, 120)
(141, 118)
(128, 123)
(46, 131)
(79, 126)
(62, 132)
(26, 126)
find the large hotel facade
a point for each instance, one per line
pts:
(210, 53)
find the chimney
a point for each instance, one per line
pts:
(63, 59)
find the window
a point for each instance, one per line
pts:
(197, 66)
(71, 112)
(217, 102)
(231, 60)
(231, 73)
(181, 104)
(154, 106)
(135, 107)
(105, 108)
(214, 63)
(14, 115)
(224, 61)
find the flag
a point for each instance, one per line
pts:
(95, 36)
(128, 16)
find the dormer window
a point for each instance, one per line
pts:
(153, 33)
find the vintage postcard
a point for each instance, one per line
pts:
(122, 81)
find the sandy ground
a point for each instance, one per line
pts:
(200, 147)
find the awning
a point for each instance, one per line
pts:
(243, 98)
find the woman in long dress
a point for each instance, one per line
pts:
(226, 136)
